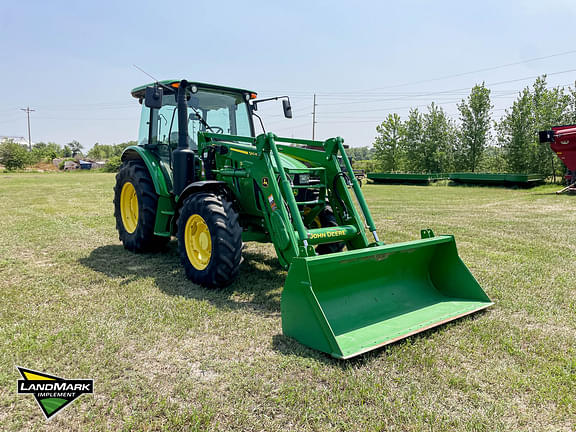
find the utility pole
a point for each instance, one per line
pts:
(27, 110)
(314, 118)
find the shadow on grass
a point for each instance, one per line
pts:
(509, 186)
(260, 281)
(545, 194)
(555, 193)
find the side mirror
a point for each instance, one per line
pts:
(287, 108)
(153, 97)
(546, 136)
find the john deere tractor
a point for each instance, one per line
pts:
(199, 173)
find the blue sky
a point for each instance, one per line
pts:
(72, 61)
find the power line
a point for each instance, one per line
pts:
(333, 116)
(440, 102)
(297, 126)
(480, 70)
(447, 92)
(27, 110)
(487, 69)
(314, 118)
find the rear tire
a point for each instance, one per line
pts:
(135, 205)
(209, 240)
(327, 219)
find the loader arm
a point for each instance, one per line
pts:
(373, 294)
(262, 160)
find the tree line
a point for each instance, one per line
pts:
(428, 141)
(431, 141)
(16, 156)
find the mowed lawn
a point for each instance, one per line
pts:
(168, 355)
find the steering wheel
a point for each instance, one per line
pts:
(217, 128)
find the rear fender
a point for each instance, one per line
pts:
(163, 225)
(160, 183)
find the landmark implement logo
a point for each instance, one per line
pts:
(52, 393)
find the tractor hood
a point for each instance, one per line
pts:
(289, 163)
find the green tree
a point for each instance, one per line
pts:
(413, 141)
(474, 132)
(570, 113)
(75, 148)
(493, 160)
(371, 165)
(113, 164)
(537, 108)
(388, 142)
(358, 153)
(98, 152)
(66, 152)
(108, 151)
(516, 133)
(439, 136)
(45, 151)
(119, 148)
(550, 108)
(13, 155)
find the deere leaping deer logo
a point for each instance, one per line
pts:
(52, 393)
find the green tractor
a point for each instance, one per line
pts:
(200, 173)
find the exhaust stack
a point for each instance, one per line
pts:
(183, 157)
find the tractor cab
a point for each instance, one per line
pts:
(171, 132)
(210, 108)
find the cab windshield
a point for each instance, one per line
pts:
(225, 113)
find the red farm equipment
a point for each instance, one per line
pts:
(562, 141)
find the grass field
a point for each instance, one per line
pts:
(168, 355)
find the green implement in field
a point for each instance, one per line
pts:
(405, 178)
(348, 303)
(514, 179)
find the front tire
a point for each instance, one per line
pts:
(209, 240)
(135, 206)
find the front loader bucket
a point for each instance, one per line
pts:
(347, 303)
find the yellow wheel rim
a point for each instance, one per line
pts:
(198, 242)
(129, 207)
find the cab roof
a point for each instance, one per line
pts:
(139, 92)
